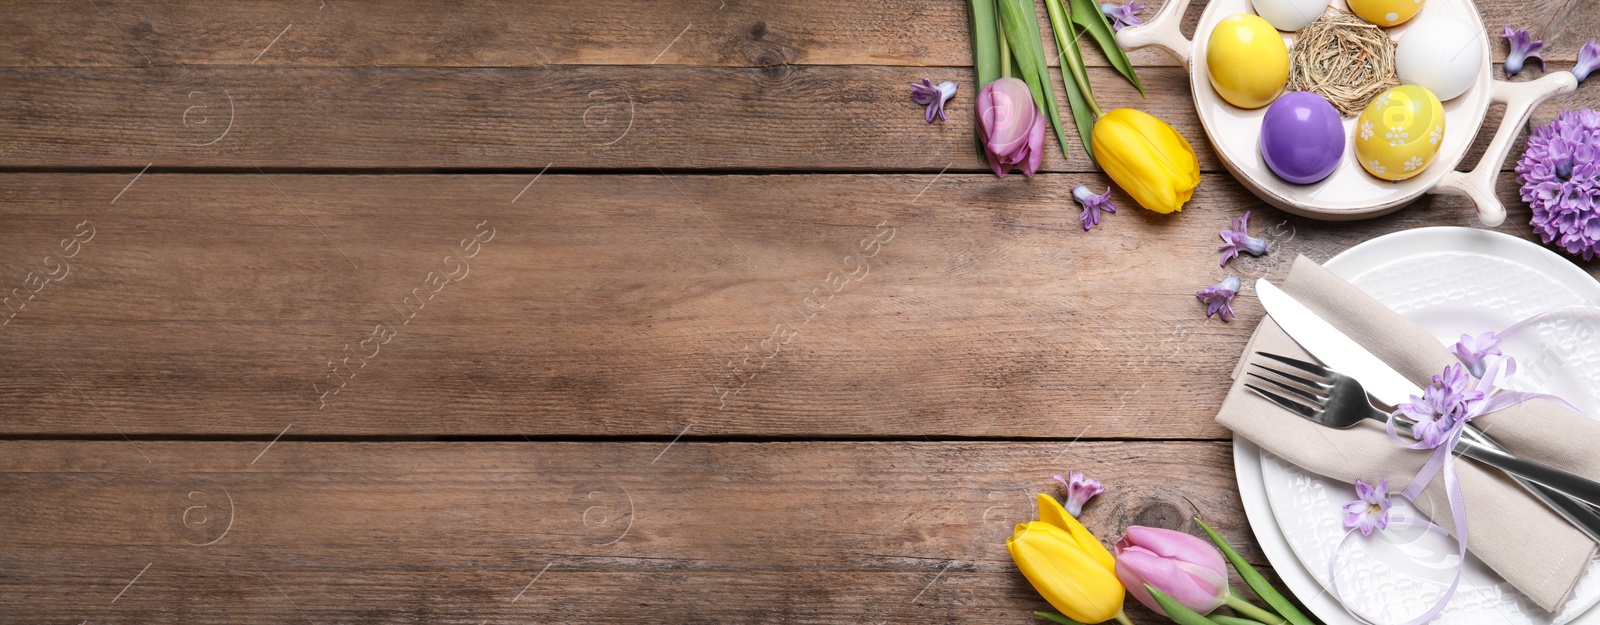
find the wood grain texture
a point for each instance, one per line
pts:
(744, 33)
(560, 532)
(630, 305)
(784, 118)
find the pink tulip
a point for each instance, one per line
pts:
(1186, 568)
(1010, 126)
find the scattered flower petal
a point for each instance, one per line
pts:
(1093, 205)
(1079, 491)
(932, 96)
(1370, 510)
(1473, 350)
(1523, 47)
(1123, 16)
(1238, 239)
(1588, 60)
(1560, 175)
(1219, 297)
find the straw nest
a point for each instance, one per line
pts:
(1343, 58)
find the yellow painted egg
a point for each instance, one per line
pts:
(1400, 132)
(1386, 12)
(1247, 61)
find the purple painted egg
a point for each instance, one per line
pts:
(1302, 137)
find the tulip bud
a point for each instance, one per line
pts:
(1147, 158)
(1067, 565)
(1010, 127)
(1188, 569)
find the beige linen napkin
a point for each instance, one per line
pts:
(1516, 535)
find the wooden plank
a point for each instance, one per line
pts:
(213, 532)
(781, 118)
(628, 305)
(750, 33)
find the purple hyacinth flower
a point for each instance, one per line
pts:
(1093, 205)
(1123, 16)
(1370, 510)
(933, 97)
(1560, 176)
(1523, 47)
(1472, 351)
(1588, 60)
(1237, 239)
(1079, 491)
(1219, 297)
(1442, 406)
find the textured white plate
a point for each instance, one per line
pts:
(1450, 281)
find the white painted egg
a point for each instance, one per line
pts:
(1441, 54)
(1290, 15)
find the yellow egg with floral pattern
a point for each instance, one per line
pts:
(1399, 132)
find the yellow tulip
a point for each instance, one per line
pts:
(1147, 158)
(1067, 565)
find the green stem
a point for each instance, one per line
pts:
(1072, 62)
(1005, 54)
(1122, 618)
(1250, 610)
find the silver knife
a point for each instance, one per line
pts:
(1383, 383)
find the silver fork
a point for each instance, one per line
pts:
(1341, 402)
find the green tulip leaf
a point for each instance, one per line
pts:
(1087, 14)
(985, 53)
(1179, 613)
(1223, 619)
(1021, 24)
(1079, 94)
(1052, 616)
(1255, 581)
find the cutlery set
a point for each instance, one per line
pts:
(1339, 393)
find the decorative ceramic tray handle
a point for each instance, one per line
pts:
(1163, 31)
(1520, 99)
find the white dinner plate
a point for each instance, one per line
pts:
(1450, 281)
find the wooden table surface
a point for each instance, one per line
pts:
(405, 312)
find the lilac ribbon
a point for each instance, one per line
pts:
(1494, 398)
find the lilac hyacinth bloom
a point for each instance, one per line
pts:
(1523, 47)
(1370, 510)
(1443, 405)
(1123, 16)
(1219, 297)
(933, 97)
(1093, 205)
(1237, 239)
(1472, 351)
(1560, 176)
(1588, 60)
(1079, 491)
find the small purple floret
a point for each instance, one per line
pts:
(1218, 297)
(1237, 239)
(1443, 405)
(1560, 175)
(1588, 60)
(1472, 351)
(1370, 510)
(1523, 47)
(1079, 491)
(1123, 16)
(1093, 205)
(932, 96)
